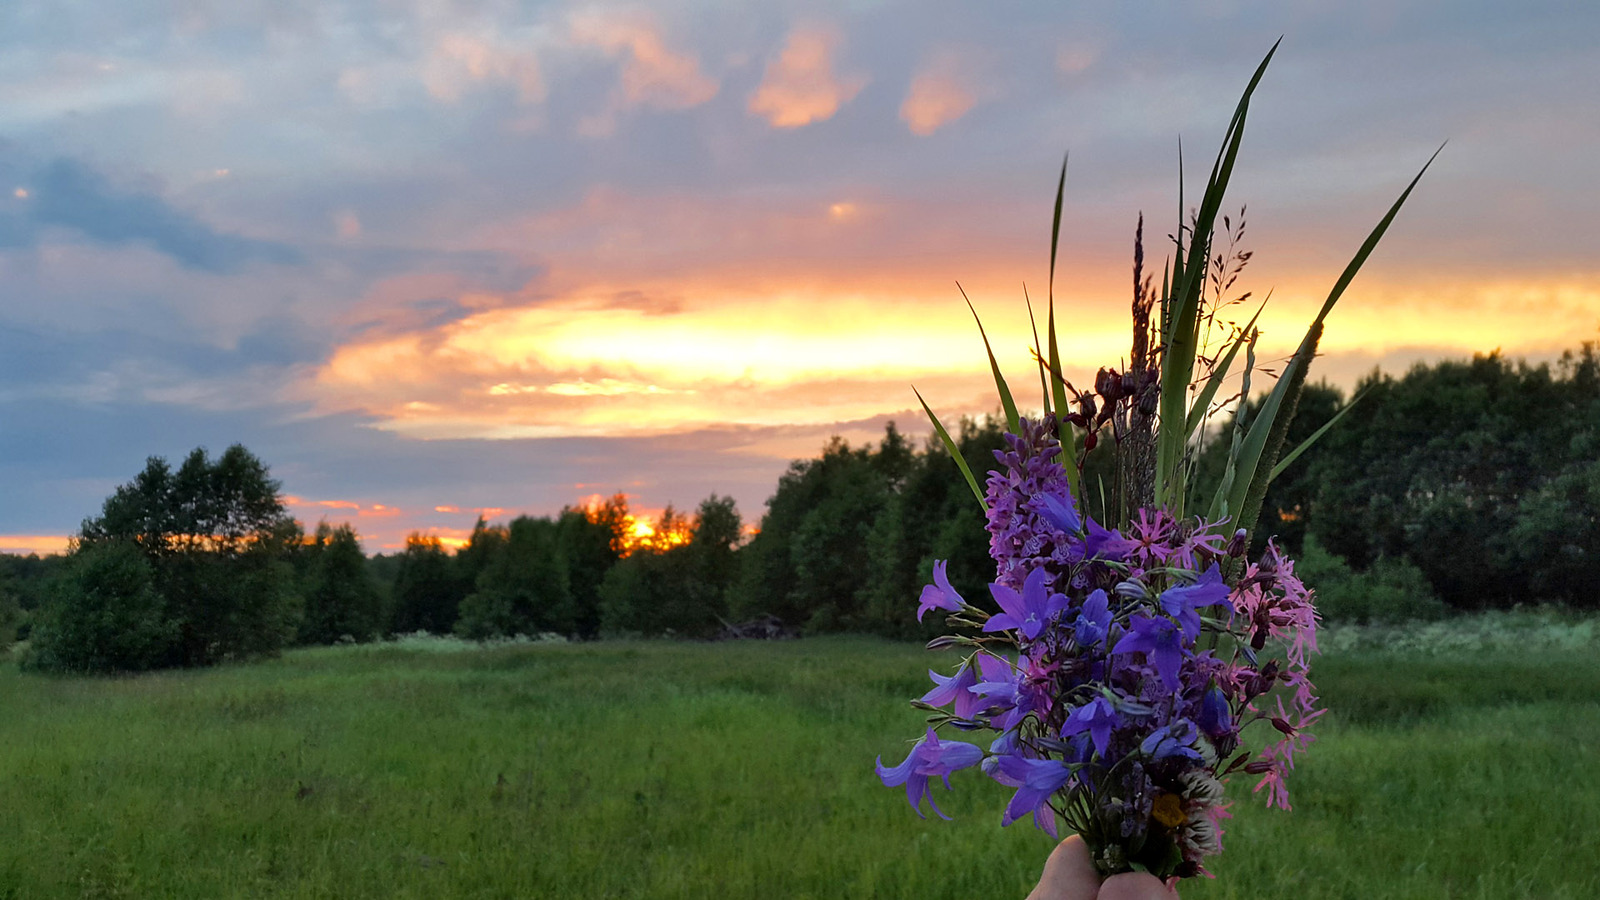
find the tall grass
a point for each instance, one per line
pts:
(732, 770)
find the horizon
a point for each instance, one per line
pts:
(429, 264)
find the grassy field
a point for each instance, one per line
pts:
(734, 770)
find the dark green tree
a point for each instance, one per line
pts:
(672, 586)
(341, 601)
(11, 612)
(427, 591)
(592, 539)
(218, 541)
(524, 589)
(483, 547)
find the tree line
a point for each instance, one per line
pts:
(1459, 485)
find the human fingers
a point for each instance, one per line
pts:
(1068, 874)
(1136, 886)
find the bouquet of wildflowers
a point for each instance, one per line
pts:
(1120, 671)
(1129, 666)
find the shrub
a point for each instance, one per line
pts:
(1390, 590)
(105, 615)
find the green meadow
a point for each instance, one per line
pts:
(654, 769)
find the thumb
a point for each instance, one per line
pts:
(1069, 873)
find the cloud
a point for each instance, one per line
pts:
(648, 304)
(800, 86)
(653, 76)
(459, 61)
(940, 93)
(66, 193)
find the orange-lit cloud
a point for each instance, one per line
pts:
(941, 93)
(653, 75)
(571, 366)
(348, 508)
(671, 313)
(800, 86)
(41, 544)
(447, 509)
(755, 353)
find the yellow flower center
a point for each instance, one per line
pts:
(1168, 810)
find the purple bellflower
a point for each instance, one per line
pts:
(954, 689)
(1215, 718)
(1176, 739)
(1059, 511)
(1028, 611)
(1094, 621)
(958, 688)
(1098, 718)
(929, 758)
(1035, 780)
(939, 595)
(1161, 643)
(1106, 543)
(1012, 691)
(1182, 602)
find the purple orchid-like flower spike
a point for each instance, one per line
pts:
(930, 758)
(1177, 739)
(1182, 602)
(939, 595)
(1097, 717)
(1161, 643)
(1035, 780)
(1028, 611)
(1094, 620)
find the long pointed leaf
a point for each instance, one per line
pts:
(1006, 403)
(1371, 242)
(1289, 458)
(1202, 402)
(1250, 454)
(1058, 381)
(954, 451)
(1230, 474)
(1285, 395)
(1055, 223)
(1177, 366)
(1038, 353)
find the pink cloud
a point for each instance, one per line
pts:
(653, 74)
(459, 62)
(941, 93)
(800, 86)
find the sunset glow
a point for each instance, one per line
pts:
(435, 267)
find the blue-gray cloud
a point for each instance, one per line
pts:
(66, 193)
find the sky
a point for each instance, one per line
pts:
(436, 259)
